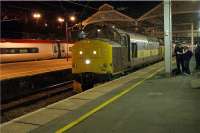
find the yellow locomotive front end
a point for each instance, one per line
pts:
(91, 62)
(92, 56)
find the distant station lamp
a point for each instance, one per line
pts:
(45, 24)
(37, 16)
(60, 20)
(72, 18)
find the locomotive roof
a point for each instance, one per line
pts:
(137, 37)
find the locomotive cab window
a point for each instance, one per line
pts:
(103, 32)
(124, 40)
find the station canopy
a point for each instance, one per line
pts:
(185, 17)
(107, 14)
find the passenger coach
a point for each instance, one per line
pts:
(14, 50)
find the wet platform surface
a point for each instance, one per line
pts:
(143, 101)
(21, 69)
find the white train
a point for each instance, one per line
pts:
(14, 50)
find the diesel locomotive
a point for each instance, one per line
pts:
(107, 51)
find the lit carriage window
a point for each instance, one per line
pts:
(18, 50)
(11, 51)
(8, 50)
(23, 50)
(34, 50)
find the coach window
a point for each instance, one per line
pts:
(8, 51)
(2, 50)
(134, 50)
(23, 50)
(11, 51)
(34, 50)
(18, 50)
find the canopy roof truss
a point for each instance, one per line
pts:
(185, 15)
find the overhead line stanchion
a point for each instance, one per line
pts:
(168, 36)
(66, 32)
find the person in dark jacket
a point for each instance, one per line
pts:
(179, 58)
(187, 55)
(197, 57)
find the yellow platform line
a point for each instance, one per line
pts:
(104, 104)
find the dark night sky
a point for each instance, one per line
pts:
(51, 9)
(133, 8)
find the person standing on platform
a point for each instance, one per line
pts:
(197, 57)
(187, 55)
(179, 58)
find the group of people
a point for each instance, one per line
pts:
(183, 56)
(197, 57)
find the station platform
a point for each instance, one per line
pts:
(22, 69)
(143, 102)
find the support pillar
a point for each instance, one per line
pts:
(168, 36)
(192, 37)
(67, 39)
(198, 33)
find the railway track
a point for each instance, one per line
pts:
(46, 96)
(35, 101)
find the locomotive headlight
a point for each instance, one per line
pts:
(80, 52)
(87, 61)
(94, 52)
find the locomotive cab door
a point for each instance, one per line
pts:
(126, 43)
(125, 51)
